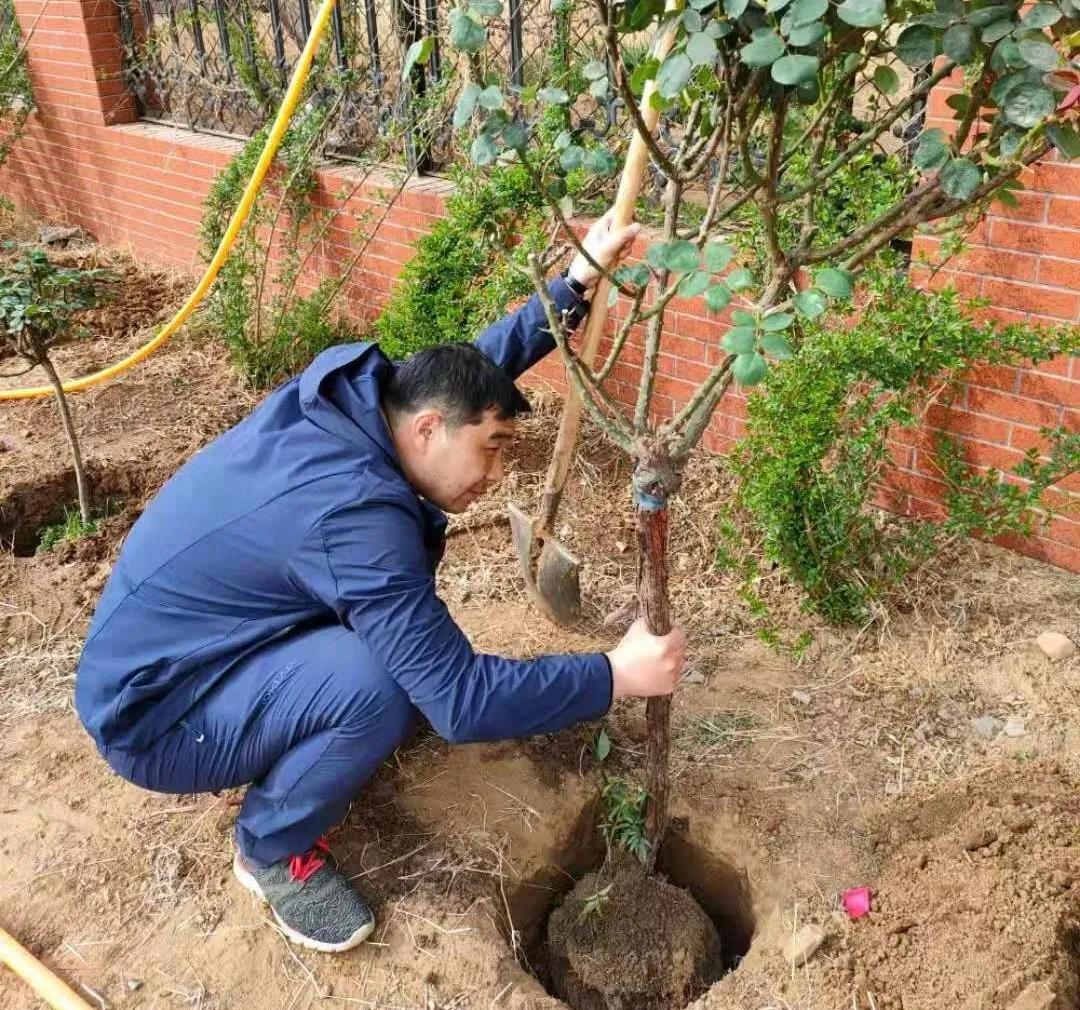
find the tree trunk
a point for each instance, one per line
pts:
(652, 485)
(69, 430)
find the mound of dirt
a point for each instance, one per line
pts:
(628, 941)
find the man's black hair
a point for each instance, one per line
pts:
(458, 379)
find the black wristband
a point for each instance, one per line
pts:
(574, 285)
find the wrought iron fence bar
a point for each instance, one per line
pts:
(371, 24)
(278, 32)
(197, 35)
(248, 42)
(223, 38)
(435, 61)
(305, 18)
(337, 27)
(517, 60)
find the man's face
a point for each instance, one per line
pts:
(453, 466)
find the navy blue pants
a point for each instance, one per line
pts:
(306, 720)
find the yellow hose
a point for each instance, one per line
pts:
(273, 142)
(37, 976)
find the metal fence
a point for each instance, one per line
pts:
(221, 66)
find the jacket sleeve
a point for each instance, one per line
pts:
(367, 562)
(518, 341)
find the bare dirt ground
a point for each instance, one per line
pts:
(933, 756)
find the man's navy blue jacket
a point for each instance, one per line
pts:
(301, 514)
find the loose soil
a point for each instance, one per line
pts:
(874, 773)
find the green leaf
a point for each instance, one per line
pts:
(486, 8)
(740, 280)
(916, 46)
(749, 369)
(491, 97)
(563, 140)
(1010, 142)
(776, 344)
(835, 283)
(1042, 15)
(571, 158)
(700, 5)
(794, 69)
(553, 96)
(594, 70)
(1006, 56)
(1037, 52)
(483, 151)
(809, 91)
(678, 256)
(777, 321)
(739, 340)
(701, 48)
(735, 8)
(805, 12)
(936, 20)
(466, 104)
(466, 33)
(634, 275)
(807, 35)
(692, 22)
(987, 15)
(673, 75)
(515, 136)
(601, 161)
(960, 178)
(1003, 196)
(932, 151)
(1065, 139)
(719, 29)
(772, 6)
(693, 284)
(886, 80)
(644, 71)
(958, 103)
(996, 30)
(1028, 105)
(763, 50)
(810, 304)
(603, 745)
(740, 317)
(718, 297)
(959, 43)
(862, 13)
(718, 255)
(599, 88)
(419, 52)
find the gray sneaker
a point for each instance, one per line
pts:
(314, 904)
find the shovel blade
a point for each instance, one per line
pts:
(558, 583)
(552, 578)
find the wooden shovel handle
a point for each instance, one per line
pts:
(625, 202)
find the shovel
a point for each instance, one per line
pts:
(551, 570)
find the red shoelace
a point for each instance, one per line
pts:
(302, 867)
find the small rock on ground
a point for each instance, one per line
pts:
(1037, 996)
(979, 838)
(987, 726)
(804, 945)
(1014, 726)
(1056, 645)
(802, 697)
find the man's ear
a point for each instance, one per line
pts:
(426, 424)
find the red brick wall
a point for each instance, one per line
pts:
(87, 161)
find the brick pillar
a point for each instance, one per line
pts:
(76, 60)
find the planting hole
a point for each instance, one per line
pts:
(601, 935)
(48, 506)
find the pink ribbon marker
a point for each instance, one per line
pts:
(856, 902)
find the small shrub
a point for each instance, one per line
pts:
(624, 816)
(816, 446)
(73, 527)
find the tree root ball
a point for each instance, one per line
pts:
(622, 940)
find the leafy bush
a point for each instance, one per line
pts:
(816, 445)
(458, 280)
